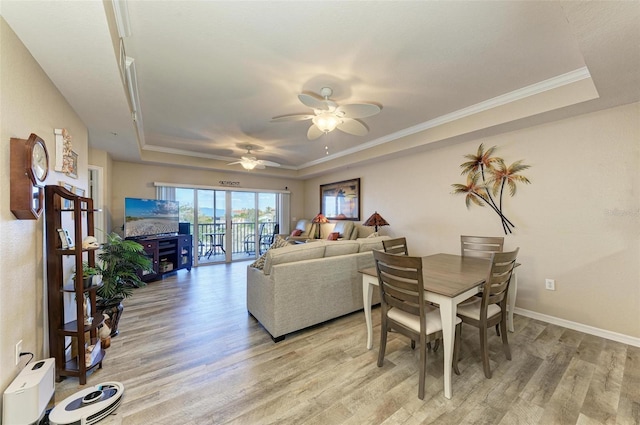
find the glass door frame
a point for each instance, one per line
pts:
(280, 205)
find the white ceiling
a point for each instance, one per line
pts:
(211, 74)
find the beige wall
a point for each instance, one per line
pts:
(136, 181)
(103, 162)
(30, 103)
(578, 222)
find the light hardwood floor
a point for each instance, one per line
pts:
(189, 353)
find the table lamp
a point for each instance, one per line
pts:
(375, 220)
(318, 220)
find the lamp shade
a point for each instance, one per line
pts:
(375, 220)
(318, 220)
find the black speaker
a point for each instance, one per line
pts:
(184, 228)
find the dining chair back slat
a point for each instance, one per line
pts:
(480, 246)
(497, 284)
(396, 246)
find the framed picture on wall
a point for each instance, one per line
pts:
(341, 200)
(72, 165)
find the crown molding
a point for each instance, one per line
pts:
(514, 96)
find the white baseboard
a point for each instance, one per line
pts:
(614, 336)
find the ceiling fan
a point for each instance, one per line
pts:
(249, 162)
(328, 115)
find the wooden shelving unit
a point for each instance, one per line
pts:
(64, 207)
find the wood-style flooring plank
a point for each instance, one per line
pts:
(603, 397)
(188, 353)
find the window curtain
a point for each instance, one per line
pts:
(284, 208)
(166, 193)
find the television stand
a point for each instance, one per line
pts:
(167, 253)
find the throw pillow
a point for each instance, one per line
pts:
(373, 235)
(277, 243)
(333, 236)
(296, 232)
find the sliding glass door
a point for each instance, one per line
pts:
(227, 225)
(254, 217)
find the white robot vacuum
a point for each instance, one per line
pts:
(88, 406)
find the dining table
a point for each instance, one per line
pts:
(448, 280)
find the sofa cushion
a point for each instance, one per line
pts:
(370, 244)
(344, 228)
(306, 226)
(292, 253)
(296, 232)
(344, 247)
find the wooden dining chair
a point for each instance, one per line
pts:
(491, 309)
(480, 246)
(395, 246)
(405, 310)
(398, 246)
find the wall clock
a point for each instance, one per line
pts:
(37, 159)
(29, 167)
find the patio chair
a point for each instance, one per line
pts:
(250, 240)
(267, 240)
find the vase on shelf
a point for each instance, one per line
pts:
(86, 304)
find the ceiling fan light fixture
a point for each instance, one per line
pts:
(326, 122)
(248, 165)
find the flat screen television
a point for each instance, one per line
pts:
(150, 217)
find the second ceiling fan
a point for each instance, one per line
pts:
(249, 162)
(328, 115)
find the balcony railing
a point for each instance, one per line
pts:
(242, 234)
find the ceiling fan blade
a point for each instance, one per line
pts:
(313, 102)
(292, 117)
(259, 167)
(268, 163)
(233, 163)
(314, 132)
(357, 110)
(354, 127)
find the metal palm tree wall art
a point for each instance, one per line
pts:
(487, 177)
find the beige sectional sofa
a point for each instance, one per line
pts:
(302, 285)
(346, 229)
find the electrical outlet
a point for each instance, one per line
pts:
(550, 284)
(18, 351)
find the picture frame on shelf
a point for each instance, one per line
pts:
(341, 200)
(67, 204)
(80, 192)
(65, 238)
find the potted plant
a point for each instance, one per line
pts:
(119, 262)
